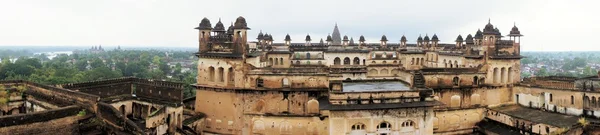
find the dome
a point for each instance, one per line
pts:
(307, 37)
(361, 38)
(515, 31)
(426, 38)
(384, 38)
(230, 29)
(219, 27)
(469, 39)
(240, 23)
(420, 39)
(287, 37)
(479, 34)
(489, 29)
(260, 35)
(497, 31)
(459, 38)
(403, 39)
(329, 38)
(345, 38)
(270, 37)
(435, 38)
(204, 24)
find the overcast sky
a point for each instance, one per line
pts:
(547, 25)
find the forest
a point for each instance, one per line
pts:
(82, 66)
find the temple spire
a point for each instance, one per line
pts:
(336, 36)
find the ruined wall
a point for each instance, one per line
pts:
(460, 121)
(59, 126)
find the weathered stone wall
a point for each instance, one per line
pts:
(473, 97)
(401, 121)
(57, 126)
(461, 121)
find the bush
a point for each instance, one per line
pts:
(3, 94)
(21, 89)
(81, 113)
(3, 101)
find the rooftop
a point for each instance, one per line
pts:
(374, 86)
(537, 116)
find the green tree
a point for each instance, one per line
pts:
(542, 72)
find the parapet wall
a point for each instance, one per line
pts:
(552, 82)
(41, 116)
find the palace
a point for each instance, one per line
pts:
(332, 87)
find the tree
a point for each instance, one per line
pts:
(541, 72)
(96, 63)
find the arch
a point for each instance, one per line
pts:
(395, 71)
(285, 127)
(373, 72)
(280, 61)
(384, 72)
(384, 125)
(312, 106)
(455, 101)
(211, 73)
(319, 62)
(364, 62)
(122, 109)
(412, 62)
(422, 61)
(231, 75)
(276, 61)
(384, 62)
(259, 82)
(297, 55)
(456, 64)
(221, 74)
(284, 106)
(475, 99)
(395, 62)
(319, 55)
(358, 126)
(285, 82)
(510, 75)
(297, 62)
(503, 75)
(481, 80)
(337, 61)
(270, 61)
(408, 123)
(496, 74)
(259, 106)
(455, 122)
(346, 61)
(307, 55)
(356, 61)
(455, 81)
(475, 81)
(572, 99)
(436, 123)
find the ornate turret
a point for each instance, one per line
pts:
(219, 28)
(321, 42)
(515, 36)
(329, 40)
(260, 36)
(478, 37)
(204, 29)
(489, 29)
(351, 41)
(435, 40)
(403, 41)
(426, 40)
(420, 41)
(361, 39)
(383, 40)
(240, 23)
(288, 39)
(459, 41)
(307, 39)
(469, 40)
(204, 24)
(345, 40)
(230, 30)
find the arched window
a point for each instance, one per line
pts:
(346, 61)
(408, 123)
(297, 62)
(285, 82)
(475, 80)
(384, 62)
(358, 126)
(456, 64)
(307, 55)
(221, 74)
(319, 62)
(384, 125)
(412, 61)
(372, 62)
(550, 97)
(281, 61)
(356, 61)
(337, 61)
(211, 72)
(373, 56)
(455, 81)
(230, 74)
(270, 61)
(572, 100)
(276, 61)
(259, 82)
(422, 61)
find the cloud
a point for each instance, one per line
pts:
(547, 25)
